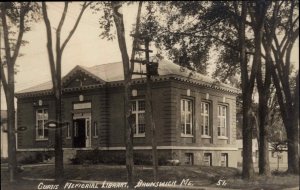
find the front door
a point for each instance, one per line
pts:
(79, 132)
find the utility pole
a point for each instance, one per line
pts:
(151, 70)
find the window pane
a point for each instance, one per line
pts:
(188, 118)
(141, 128)
(46, 114)
(189, 105)
(206, 130)
(183, 128)
(134, 106)
(206, 121)
(188, 128)
(206, 109)
(224, 111)
(141, 118)
(40, 128)
(141, 105)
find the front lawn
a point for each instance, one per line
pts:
(199, 175)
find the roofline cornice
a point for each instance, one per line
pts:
(215, 86)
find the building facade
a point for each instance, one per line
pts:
(195, 116)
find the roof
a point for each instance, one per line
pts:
(113, 72)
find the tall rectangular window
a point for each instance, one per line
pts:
(95, 129)
(205, 118)
(224, 159)
(138, 112)
(41, 119)
(222, 114)
(207, 159)
(186, 117)
(189, 159)
(68, 130)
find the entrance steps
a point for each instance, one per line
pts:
(69, 154)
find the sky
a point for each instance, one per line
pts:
(85, 48)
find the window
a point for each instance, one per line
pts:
(224, 159)
(222, 113)
(41, 119)
(87, 128)
(95, 129)
(75, 129)
(205, 118)
(207, 159)
(68, 131)
(138, 112)
(186, 117)
(189, 159)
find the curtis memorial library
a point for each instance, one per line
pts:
(195, 116)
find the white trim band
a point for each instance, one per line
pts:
(138, 148)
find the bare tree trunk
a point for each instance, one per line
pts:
(293, 148)
(55, 67)
(12, 161)
(248, 171)
(59, 166)
(263, 164)
(9, 85)
(118, 19)
(292, 130)
(262, 86)
(247, 89)
(149, 114)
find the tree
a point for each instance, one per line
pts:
(15, 18)
(258, 17)
(287, 86)
(223, 24)
(55, 67)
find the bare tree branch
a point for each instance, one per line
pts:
(3, 77)
(61, 22)
(84, 6)
(23, 11)
(6, 35)
(49, 45)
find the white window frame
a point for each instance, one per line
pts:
(189, 158)
(136, 112)
(44, 119)
(68, 131)
(95, 130)
(222, 119)
(75, 129)
(224, 160)
(204, 117)
(184, 104)
(207, 159)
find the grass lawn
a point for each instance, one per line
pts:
(199, 175)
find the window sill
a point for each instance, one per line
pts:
(42, 139)
(95, 137)
(139, 135)
(188, 136)
(223, 137)
(205, 137)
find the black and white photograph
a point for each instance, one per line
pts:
(149, 95)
